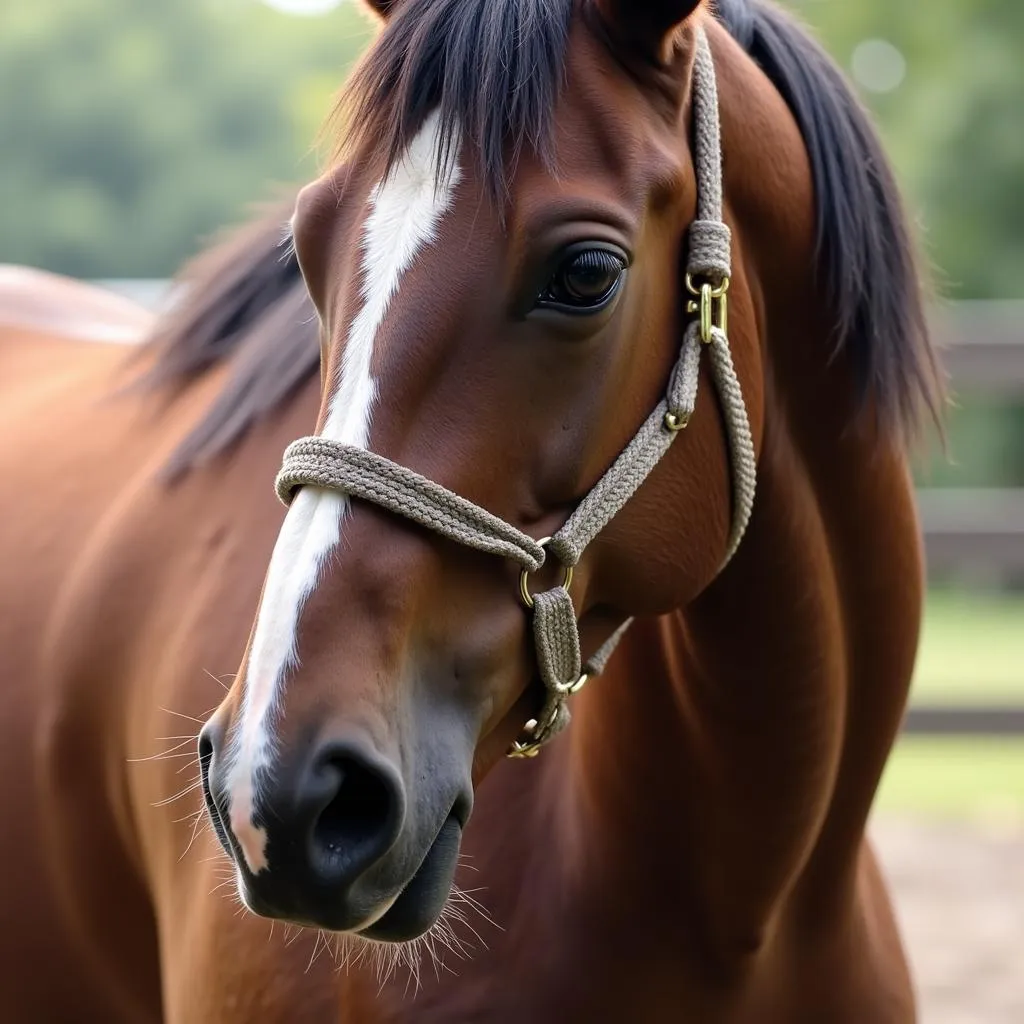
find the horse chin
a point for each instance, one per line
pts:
(418, 906)
(396, 919)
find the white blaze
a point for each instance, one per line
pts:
(404, 211)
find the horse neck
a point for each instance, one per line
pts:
(733, 741)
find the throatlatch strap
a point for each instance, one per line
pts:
(320, 462)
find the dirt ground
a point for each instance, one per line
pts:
(959, 890)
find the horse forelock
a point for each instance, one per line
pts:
(491, 71)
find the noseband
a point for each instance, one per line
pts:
(320, 462)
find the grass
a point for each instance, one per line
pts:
(955, 778)
(972, 649)
(972, 652)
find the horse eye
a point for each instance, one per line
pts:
(586, 282)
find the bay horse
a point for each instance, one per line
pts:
(482, 300)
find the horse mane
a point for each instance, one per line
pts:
(244, 304)
(864, 255)
(494, 69)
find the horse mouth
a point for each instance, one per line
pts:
(421, 902)
(405, 917)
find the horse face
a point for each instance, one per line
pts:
(506, 347)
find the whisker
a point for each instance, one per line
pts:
(166, 756)
(466, 897)
(316, 949)
(196, 829)
(220, 857)
(219, 680)
(191, 787)
(386, 960)
(181, 714)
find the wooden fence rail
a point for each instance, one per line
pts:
(973, 532)
(982, 347)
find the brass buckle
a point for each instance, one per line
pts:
(524, 578)
(535, 735)
(529, 743)
(713, 306)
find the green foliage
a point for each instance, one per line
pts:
(955, 779)
(954, 127)
(130, 131)
(972, 648)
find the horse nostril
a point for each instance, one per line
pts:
(205, 762)
(360, 809)
(357, 810)
(205, 746)
(207, 752)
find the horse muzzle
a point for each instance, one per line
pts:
(328, 839)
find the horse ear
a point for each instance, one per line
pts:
(646, 24)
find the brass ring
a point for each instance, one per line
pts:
(524, 589)
(716, 293)
(568, 689)
(674, 423)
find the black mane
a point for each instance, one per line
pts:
(245, 304)
(493, 68)
(864, 253)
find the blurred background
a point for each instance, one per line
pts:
(131, 131)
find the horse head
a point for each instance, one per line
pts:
(498, 263)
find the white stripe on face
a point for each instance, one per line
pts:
(404, 212)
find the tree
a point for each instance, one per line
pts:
(954, 126)
(131, 131)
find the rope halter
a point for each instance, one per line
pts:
(320, 462)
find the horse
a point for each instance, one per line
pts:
(32, 299)
(474, 309)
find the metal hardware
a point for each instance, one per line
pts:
(524, 586)
(568, 689)
(533, 736)
(676, 423)
(713, 306)
(529, 744)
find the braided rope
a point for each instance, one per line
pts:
(320, 462)
(741, 444)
